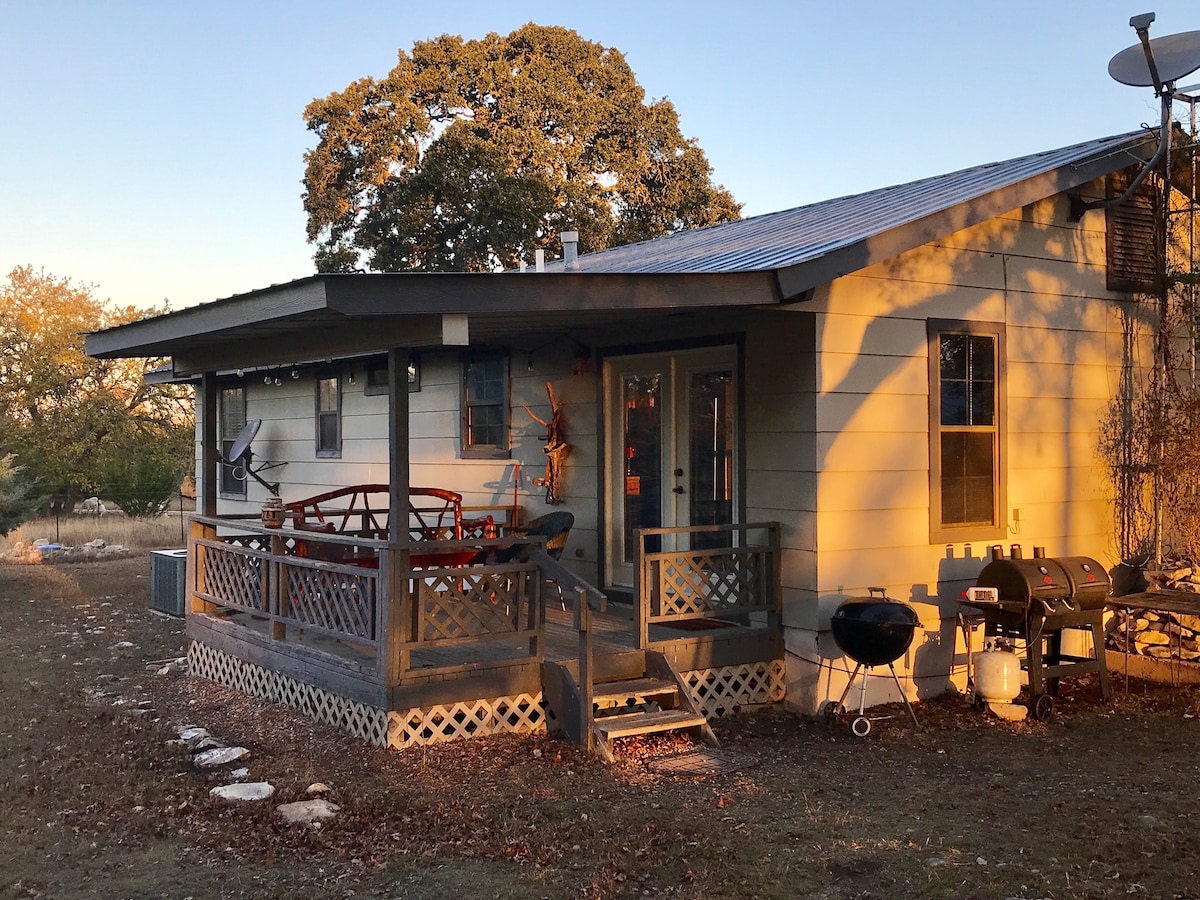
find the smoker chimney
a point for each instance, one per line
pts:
(570, 242)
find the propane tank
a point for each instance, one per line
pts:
(997, 673)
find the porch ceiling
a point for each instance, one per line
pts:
(327, 316)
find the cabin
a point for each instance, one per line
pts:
(745, 425)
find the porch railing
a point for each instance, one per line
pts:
(732, 576)
(399, 618)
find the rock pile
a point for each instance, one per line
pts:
(43, 550)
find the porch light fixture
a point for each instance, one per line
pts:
(581, 363)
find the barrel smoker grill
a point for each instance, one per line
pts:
(1034, 601)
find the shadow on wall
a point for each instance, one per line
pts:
(940, 650)
(937, 653)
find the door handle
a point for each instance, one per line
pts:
(677, 489)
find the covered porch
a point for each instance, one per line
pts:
(409, 636)
(405, 654)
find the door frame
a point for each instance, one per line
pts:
(610, 430)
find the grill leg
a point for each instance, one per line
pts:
(862, 693)
(1097, 630)
(1053, 658)
(903, 696)
(849, 684)
(1033, 657)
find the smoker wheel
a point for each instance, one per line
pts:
(861, 726)
(1043, 708)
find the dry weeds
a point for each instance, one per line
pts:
(1099, 802)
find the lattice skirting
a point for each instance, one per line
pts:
(723, 690)
(358, 719)
(419, 727)
(717, 692)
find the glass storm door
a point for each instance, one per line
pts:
(670, 450)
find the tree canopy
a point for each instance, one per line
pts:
(473, 154)
(68, 419)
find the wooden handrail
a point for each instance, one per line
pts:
(586, 598)
(568, 580)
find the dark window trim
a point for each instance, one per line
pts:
(225, 475)
(327, 452)
(998, 528)
(486, 451)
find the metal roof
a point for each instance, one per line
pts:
(760, 261)
(796, 236)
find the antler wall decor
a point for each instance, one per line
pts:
(556, 449)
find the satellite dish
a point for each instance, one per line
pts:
(241, 443)
(1175, 55)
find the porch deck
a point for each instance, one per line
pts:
(392, 637)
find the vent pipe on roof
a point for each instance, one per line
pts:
(539, 260)
(570, 242)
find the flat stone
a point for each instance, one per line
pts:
(304, 812)
(250, 790)
(219, 756)
(1010, 712)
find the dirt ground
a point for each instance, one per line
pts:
(95, 801)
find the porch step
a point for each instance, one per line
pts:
(632, 693)
(619, 693)
(630, 724)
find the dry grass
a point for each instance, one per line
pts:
(71, 531)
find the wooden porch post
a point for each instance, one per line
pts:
(399, 620)
(208, 446)
(206, 499)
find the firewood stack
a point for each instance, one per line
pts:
(1175, 578)
(1162, 635)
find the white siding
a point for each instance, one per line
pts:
(1044, 279)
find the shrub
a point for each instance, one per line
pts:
(19, 500)
(141, 484)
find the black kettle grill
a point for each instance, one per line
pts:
(873, 631)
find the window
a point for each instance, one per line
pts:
(329, 416)
(966, 399)
(377, 376)
(231, 419)
(485, 406)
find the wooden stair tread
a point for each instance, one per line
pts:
(628, 724)
(639, 687)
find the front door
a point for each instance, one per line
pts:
(671, 426)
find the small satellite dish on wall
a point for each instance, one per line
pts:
(241, 443)
(1174, 56)
(240, 456)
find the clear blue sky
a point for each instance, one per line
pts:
(154, 149)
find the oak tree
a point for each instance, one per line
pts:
(68, 419)
(472, 154)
